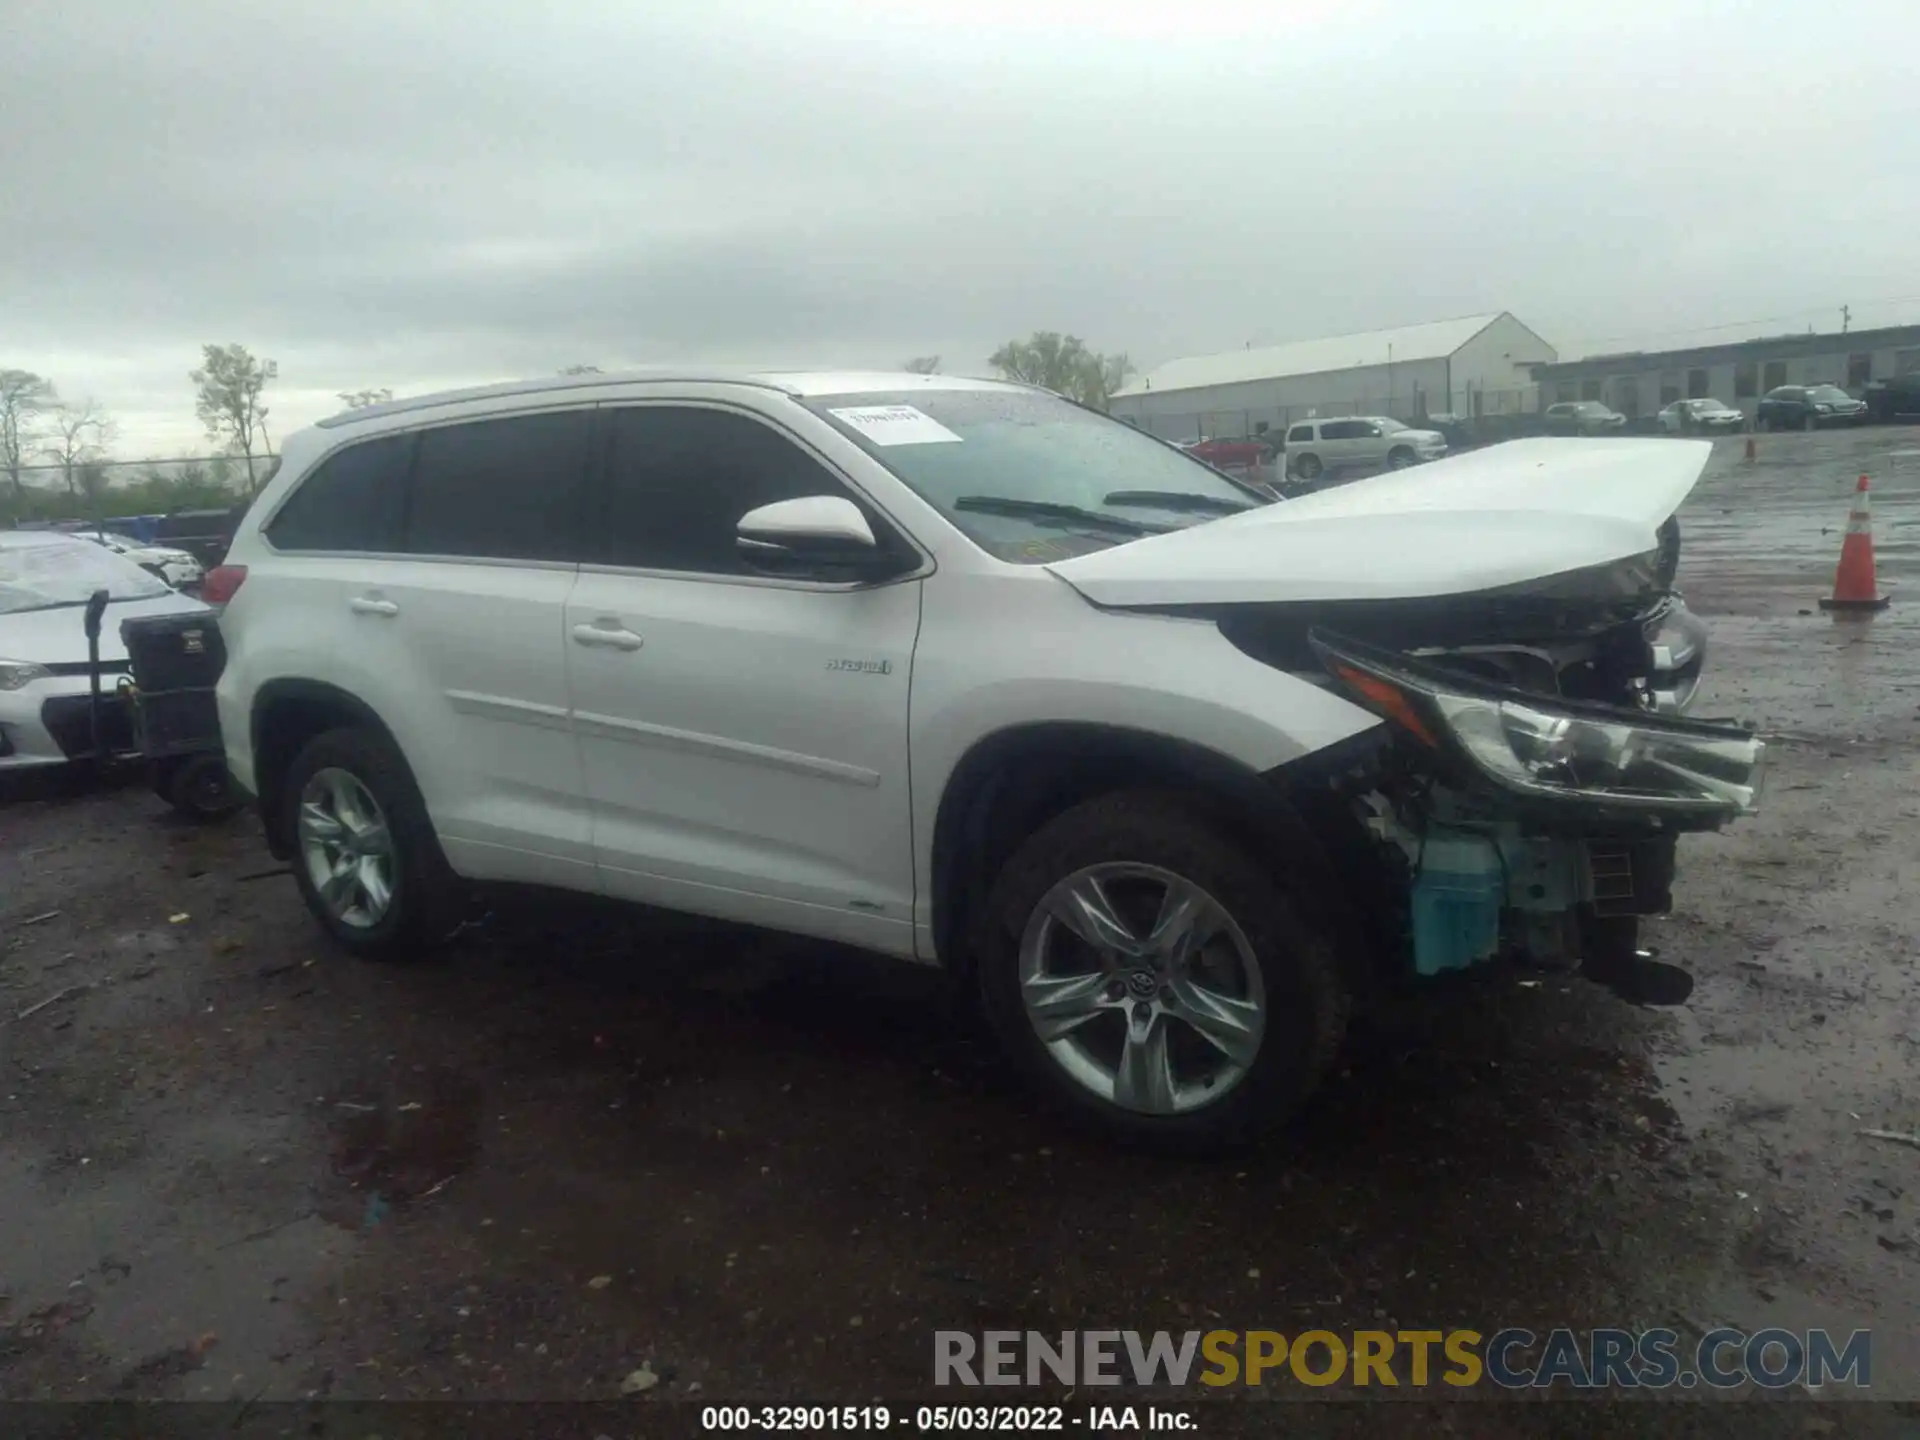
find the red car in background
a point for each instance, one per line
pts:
(1231, 454)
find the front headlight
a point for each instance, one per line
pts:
(1557, 750)
(16, 674)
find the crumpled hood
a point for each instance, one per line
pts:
(59, 637)
(1504, 515)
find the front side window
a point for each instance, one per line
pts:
(506, 489)
(355, 501)
(1030, 477)
(679, 477)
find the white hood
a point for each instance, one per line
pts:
(59, 637)
(1505, 515)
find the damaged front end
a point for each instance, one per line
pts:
(1538, 766)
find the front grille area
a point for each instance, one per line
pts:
(68, 719)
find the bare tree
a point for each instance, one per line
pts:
(80, 433)
(922, 365)
(24, 398)
(1063, 364)
(92, 480)
(361, 399)
(229, 382)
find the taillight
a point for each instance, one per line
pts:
(222, 583)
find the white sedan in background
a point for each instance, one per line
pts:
(46, 579)
(177, 567)
(1701, 417)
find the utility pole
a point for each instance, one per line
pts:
(1846, 318)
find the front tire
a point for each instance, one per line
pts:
(1147, 974)
(1399, 458)
(363, 850)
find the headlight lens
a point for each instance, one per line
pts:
(1544, 753)
(17, 673)
(1570, 752)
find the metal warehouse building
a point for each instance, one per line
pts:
(1479, 364)
(1739, 373)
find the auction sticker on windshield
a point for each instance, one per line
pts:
(895, 425)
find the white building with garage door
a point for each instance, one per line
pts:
(1479, 364)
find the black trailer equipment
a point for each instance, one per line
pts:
(165, 705)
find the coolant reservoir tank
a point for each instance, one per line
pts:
(1456, 902)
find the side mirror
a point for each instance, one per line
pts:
(814, 535)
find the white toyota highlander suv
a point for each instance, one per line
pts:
(1179, 777)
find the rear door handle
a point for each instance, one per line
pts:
(610, 636)
(362, 605)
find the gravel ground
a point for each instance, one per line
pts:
(235, 1167)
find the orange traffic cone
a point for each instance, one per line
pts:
(1853, 585)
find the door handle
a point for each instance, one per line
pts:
(363, 605)
(610, 636)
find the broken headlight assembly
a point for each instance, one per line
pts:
(1550, 749)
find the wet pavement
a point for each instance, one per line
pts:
(235, 1166)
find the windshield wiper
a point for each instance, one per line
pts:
(1178, 500)
(1053, 510)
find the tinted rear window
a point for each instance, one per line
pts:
(505, 489)
(354, 501)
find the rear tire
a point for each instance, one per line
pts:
(1250, 958)
(1307, 467)
(363, 850)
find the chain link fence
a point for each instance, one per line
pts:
(94, 491)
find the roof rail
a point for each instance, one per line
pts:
(546, 384)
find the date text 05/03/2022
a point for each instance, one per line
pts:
(925, 1419)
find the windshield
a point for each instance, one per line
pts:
(1389, 427)
(1829, 393)
(1028, 476)
(67, 572)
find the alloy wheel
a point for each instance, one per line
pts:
(1142, 988)
(347, 847)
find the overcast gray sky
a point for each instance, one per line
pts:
(423, 192)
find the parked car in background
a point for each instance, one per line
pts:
(1316, 448)
(1807, 407)
(1232, 454)
(1583, 417)
(46, 579)
(738, 644)
(204, 534)
(177, 567)
(1895, 399)
(1701, 417)
(1456, 430)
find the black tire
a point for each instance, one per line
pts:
(427, 897)
(1399, 458)
(199, 786)
(1307, 467)
(1307, 1002)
